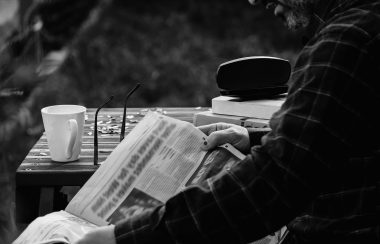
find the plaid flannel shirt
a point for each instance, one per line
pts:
(317, 170)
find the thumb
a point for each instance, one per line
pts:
(215, 139)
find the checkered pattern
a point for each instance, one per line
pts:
(319, 162)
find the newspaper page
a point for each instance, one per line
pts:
(56, 227)
(157, 159)
(163, 181)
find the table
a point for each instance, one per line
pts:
(38, 171)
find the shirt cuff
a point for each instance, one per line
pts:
(255, 135)
(144, 228)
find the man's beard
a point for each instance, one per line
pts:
(300, 14)
(296, 20)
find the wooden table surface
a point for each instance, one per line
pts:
(39, 170)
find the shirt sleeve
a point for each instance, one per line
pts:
(301, 157)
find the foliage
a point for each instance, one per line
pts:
(172, 47)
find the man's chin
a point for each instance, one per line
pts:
(294, 27)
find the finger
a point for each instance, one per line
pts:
(207, 129)
(215, 139)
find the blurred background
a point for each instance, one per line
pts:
(81, 52)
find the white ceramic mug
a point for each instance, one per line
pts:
(64, 129)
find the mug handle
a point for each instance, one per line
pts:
(73, 127)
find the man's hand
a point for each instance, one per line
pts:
(221, 133)
(101, 235)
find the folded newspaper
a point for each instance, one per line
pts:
(158, 158)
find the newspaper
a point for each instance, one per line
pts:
(56, 227)
(158, 158)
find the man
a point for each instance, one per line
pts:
(317, 171)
